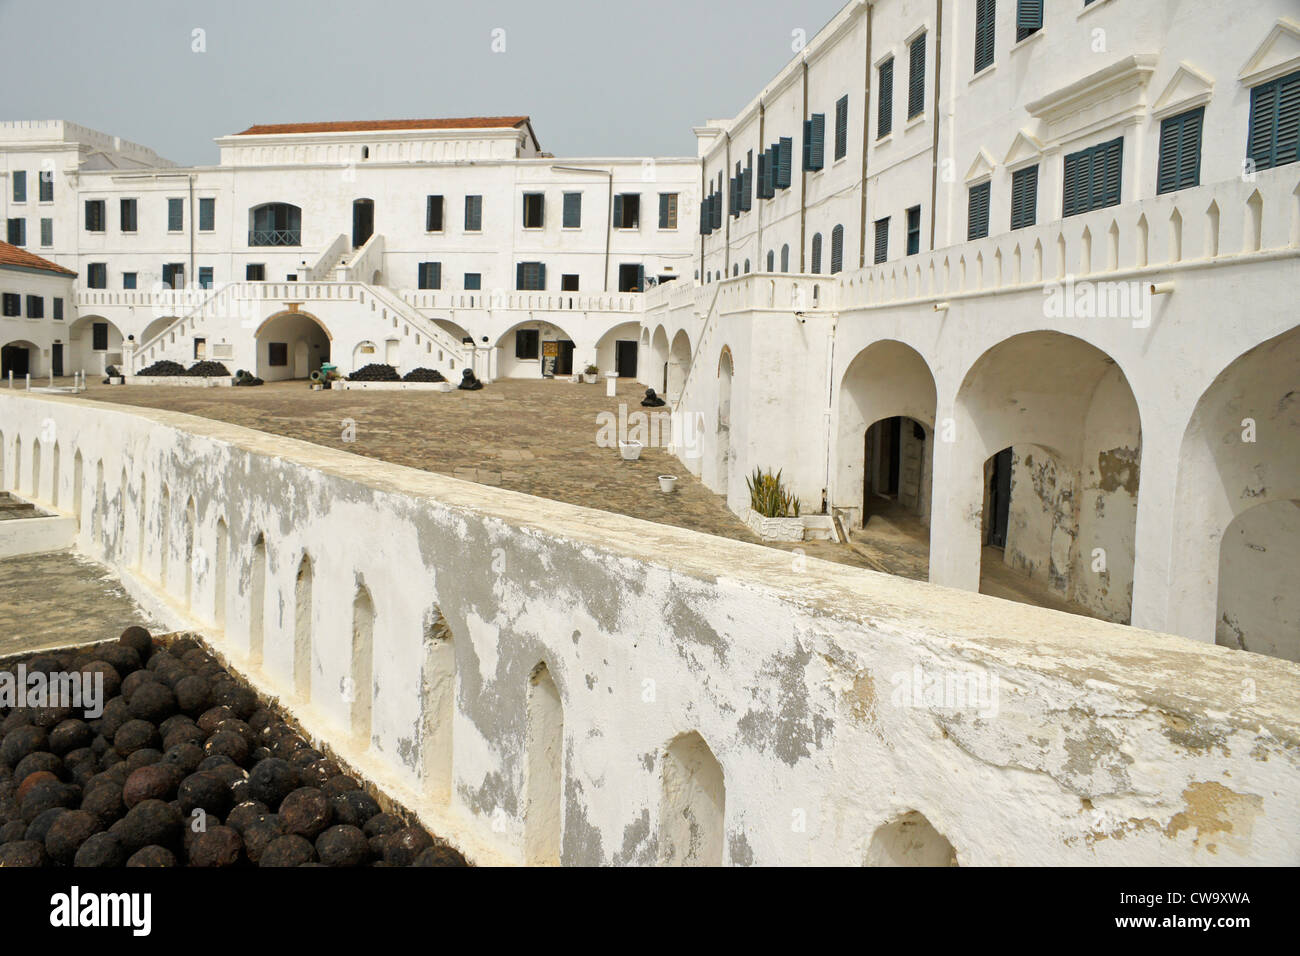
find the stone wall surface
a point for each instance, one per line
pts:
(840, 705)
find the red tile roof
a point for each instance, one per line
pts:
(13, 256)
(471, 122)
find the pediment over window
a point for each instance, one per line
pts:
(1025, 148)
(1278, 55)
(1099, 100)
(1187, 89)
(981, 168)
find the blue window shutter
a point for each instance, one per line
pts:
(618, 210)
(842, 127)
(882, 240)
(837, 249)
(817, 253)
(977, 217)
(519, 276)
(885, 99)
(916, 78)
(1274, 137)
(818, 122)
(541, 276)
(807, 144)
(640, 278)
(1029, 18)
(985, 24)
(1024, 197)
(785, 163)
(747, 189)
(1179, 165)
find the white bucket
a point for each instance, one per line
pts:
(667, 483)
(630, 450)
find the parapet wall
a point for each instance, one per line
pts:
(547, 683)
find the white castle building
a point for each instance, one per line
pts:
(1023, 274)
(437, 243)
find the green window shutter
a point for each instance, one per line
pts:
(818, 157)
(1274, 136)
(175, 215)
(807, 144)
(762, 175)
(717, 208)
(785, 162)
(46, 190)
(977, 216)
(663, 210)
(785, 258)
(541, 276)
(916, 78)
(837, 249)
(882, 240)
(1024, 197)
(640, 278)
(1111, 167)
(842, 127)
(747, 189)
(618, 210)
(207, 214)
(519, 276)
(985, 24)
(572, 210)
(885, 99)
(817, 253)
(1029, 18)
(20, 185)
(1179, 165)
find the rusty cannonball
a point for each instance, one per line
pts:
(218, 846)
(153, 701)
(23, 853)
(440, 854)
(32, 780)
(342, 845)
(193, 694)
(155, 782)
(271, 780)
(204, 790)
(291, 850)
(135, 735)
(47, 795)
(305, 812)
(151, 856)
(68, 833)
(70, 734)
(144, 757)
(402, 847)
(149, 821)
(125, 660)
(135, 680)
(138, 639)
(105, 801)
(354, 807)
(96, 670)
(21, 741)
(39, 760)
(227, 743)
(186, 757)
(101, 850)
(213, 716)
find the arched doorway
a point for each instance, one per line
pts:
(536, 349)
(910, 840)
(679, 365)
(20, 358)
(1236, 513)
(618, 350)
(291, 345)
(694, 804)
(722, 453)
(1054, 441)
(94, 343)
(658, 376)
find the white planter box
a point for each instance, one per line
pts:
(630, 450)
(181, 381)
(803, 528)
(397, 386)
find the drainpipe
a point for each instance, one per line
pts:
(934, 117)
(609, 207)
(194, 276)
(866, 139)
(758, 206)
(803, 179)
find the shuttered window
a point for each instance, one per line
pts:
(97, 275)
(573, 210)
(207, 214)
(1180, 151)
(95, 215)
(985, 17)
(473, 281)
(747, 187)
(530, 276)
(433, 214)
(916, 77)
(58, 310)
(885, 99)
(534, 210)
(20, 185)
(1029, 18)
(205, 277)
(837, 249)
(771, 260)
(977, 214)
(46, 179)
(175, 215)
(17, 235)
(914, 230)
(35, 307)
(430, 275)
(1274, 137)
(526, 343)
(817, 253)
(1024, 197)
(668, 210)
(47, 232)
(814, 142)
(627, 211)
(704, 217)
(764, 179)
(882, 239)
(785, 257)
(1092, 177)
(473, 213)
(127, 215)
(842, 127)
(784, 162)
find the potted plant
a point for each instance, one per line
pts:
(667, 483)
(590, 373)
(773, 511)
(630, 450)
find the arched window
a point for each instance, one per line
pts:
(275, 224)
(817, 253)
(785, 258)
(837, 250)
(771, 260)
(746, 267)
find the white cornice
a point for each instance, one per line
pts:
(1187, 89)
(1129, 74)
(1277, 55)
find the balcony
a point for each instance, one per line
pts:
(274, 237)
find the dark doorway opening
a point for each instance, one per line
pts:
(564, 360)
(56, 359)
(1000, 498)
(631, 277)
(363, 221)
(14, 358)
(625, 355)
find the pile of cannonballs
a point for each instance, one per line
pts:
(184, 766)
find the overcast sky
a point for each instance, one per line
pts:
(598, 77)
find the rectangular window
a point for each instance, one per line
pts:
(433, 214)
(207, 214)
(17, 232)
(473, 213)
(885, 99)
(668, 210)
(814, 142)
(173, 275)
(20, 185)
(837, 249)
(13, 305)
(1274, 137)
(58, 310)
(914, 230)
(1024, 197)
(569, 283)
(277, 353)
(175, 215)
(916, 77)
(46, 180)
(97, 275)
(977, 211)
(99, 336)
(94, 215)
(534, 210)
(1180, 151)
(473, 281)
(985, 24)
(526, 343)
(35, 307)
(47, 232)
(1092, 177)
(128, 280)
(784, 162)
(430, 275)
(573, 210)
(255, 272)
(627, 211)
(126, 212)
(842, 127)
(882, 239)
(205, 277)
(530, 276)
(1029, 18)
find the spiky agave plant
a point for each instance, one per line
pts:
(769, 498)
